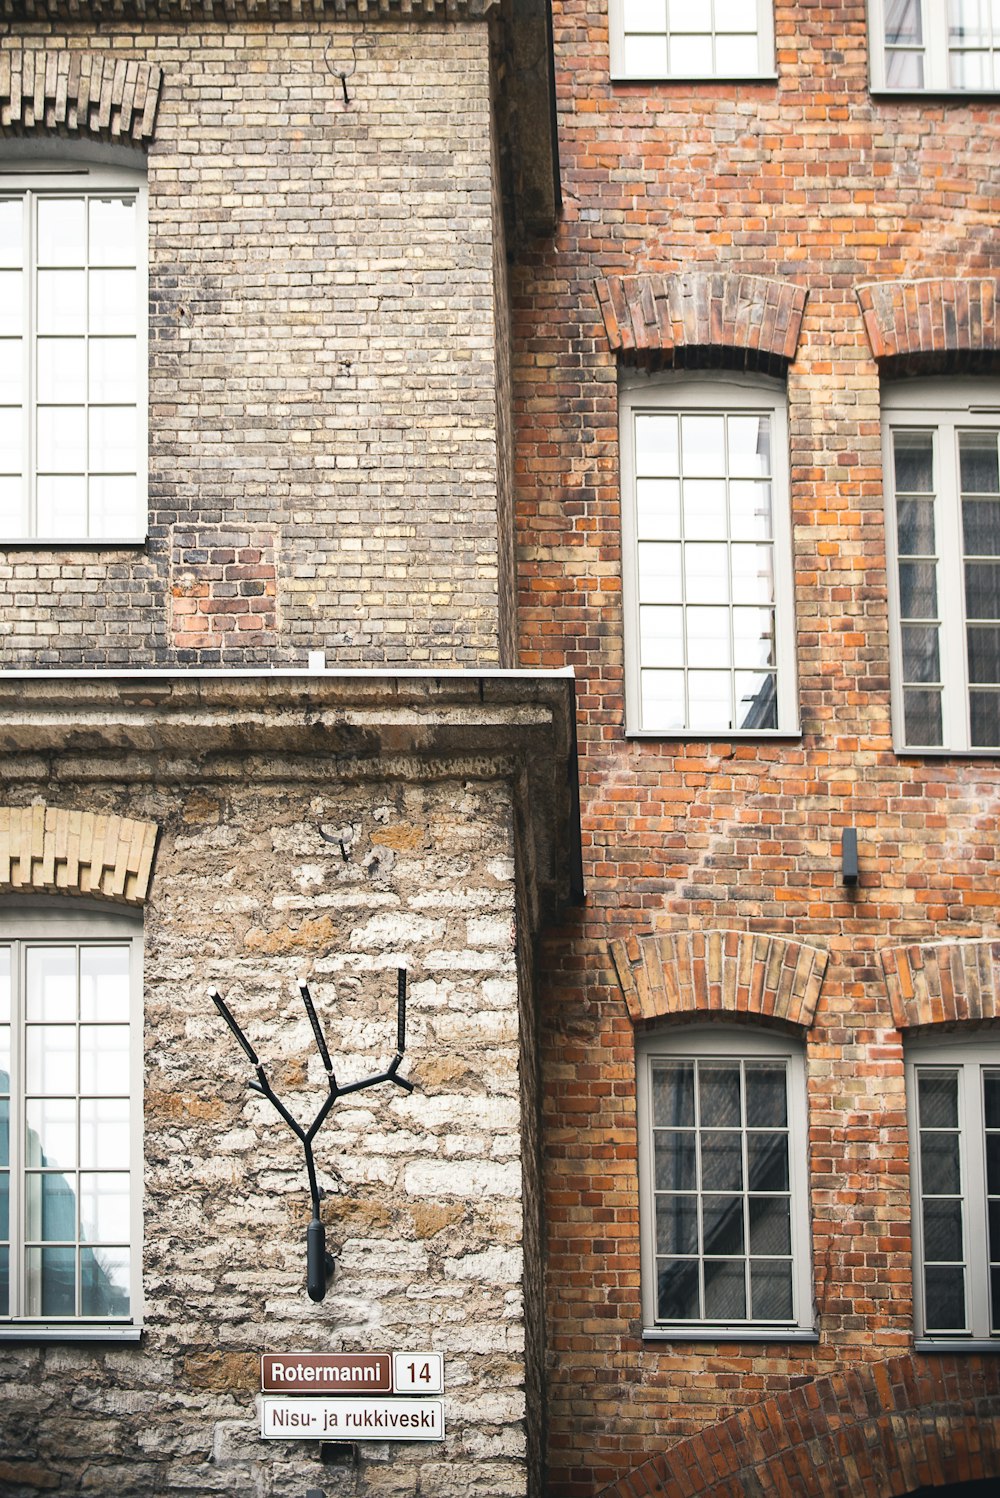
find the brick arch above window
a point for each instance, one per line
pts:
(944, 326)
(703, 320)
(943, 983)
(872, 1432)
(50, 850)
(79, 94)
(720, 972)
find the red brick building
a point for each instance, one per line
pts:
(790, 215)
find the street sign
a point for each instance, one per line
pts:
(326, 1372)
(418, 1372)
(355, 1419)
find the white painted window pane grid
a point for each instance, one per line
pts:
(76, 1149)
(13, 365)
(973, 43)
(5, 1084)
(979, 499)
(918, 572)
(991, 1124)
(674, 38)
(720, 459)
(722, 1206)
(85, 441)
(942, 1200)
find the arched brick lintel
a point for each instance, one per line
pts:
(943, 983)
(703, 320)
(729, 972)
(79, 93)
(944, 326)
(49, 850)
(875, 1432)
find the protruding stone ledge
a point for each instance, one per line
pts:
(943, 983)
(703, 320)
(88, 93)
(720, 972)
(170, 726)
(51, 850)
(183, 12)
(944, 326)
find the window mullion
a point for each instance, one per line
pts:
(973, 1156)
(937, 59)
(951, 599)
(17, 1131)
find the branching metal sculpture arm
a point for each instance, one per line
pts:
(319, 1262)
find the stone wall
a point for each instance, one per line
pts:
(424, 1197)
(324, 383)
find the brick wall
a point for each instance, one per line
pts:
(807, 181)
(324, 379)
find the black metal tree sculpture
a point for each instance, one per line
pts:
(319, 1264)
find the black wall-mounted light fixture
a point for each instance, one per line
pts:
(849, 855)
(319, 1264)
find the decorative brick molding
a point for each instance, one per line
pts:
(943, 983)
(934, 326)
(223, 589)
(730, 972)
(54, 851)
(703, 320)
(85, 92)
(886, 1429)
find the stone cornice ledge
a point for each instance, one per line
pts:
(240, 11)
(360, 725)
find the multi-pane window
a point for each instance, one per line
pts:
(69, 1188)
(706, 559)
(935, 45)
(722, 1183)
(943, 503)
(675, 39)
(954, 1100)
(72, 356)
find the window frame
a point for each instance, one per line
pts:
(22, 175)
(705, 392)
(935, 50)
(73, 922)
(971, 1054)
(942, 406)
(764, 72)
(714, 1043)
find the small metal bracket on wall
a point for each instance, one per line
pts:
(319, 1264)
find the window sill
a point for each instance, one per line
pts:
(92, 543)
(935, 751)
(955, 1344)
(729, 1334)
(723, 78)
(717, 736)
(952, 95)
(67, 1332)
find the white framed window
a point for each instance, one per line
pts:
(934, 46)
(73, 352)
(953, 1097)
(675, 39)
(723, 1184)
(70, 1123)
(706, 557)
(942, 484)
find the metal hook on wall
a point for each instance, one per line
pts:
(319, 1264)
(344, 73)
